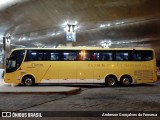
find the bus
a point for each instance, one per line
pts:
(110, 66)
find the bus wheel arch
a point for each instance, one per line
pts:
(28, 80)
(126, 80)
(111, 80)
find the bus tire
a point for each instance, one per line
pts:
(111, 81)
(126, 80)
(28, 80)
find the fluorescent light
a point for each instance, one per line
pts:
(53, 34)
(108, 25)
(102, 25)
(24, 38)
(76, 22)
(106, 43)
(117, 23)
(33, 53)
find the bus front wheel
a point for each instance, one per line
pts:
(111, 81)
(28, 81)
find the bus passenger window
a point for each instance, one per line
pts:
(137, 56)
(122, 56)
(96, 56)
(33, 56)
(69, 56)
(119, 58)
(54, 56)
(148, 55)
(40, 56)
(107, 57)
(84, 55)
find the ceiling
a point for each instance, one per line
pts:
(40, 23)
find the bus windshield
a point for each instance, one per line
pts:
(14, 61)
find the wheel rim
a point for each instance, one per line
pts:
(126, 81)
(28, 82)
(111, 82)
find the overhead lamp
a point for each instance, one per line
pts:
(108, 25)
(57, 33)
(102, 25)
(53, 34)
(106, 44)
(24, 38)
(76, 23)
(70, 28)
(117, 23)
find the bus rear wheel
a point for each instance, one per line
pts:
(28, 81)
(126, 81)
(111, 81)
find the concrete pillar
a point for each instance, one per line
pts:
(69, 44)
(6, 47)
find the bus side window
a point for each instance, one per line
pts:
(84, 55)
(40, 56)
(28, 55)
(122, 56)
(148, 55)
(133, 57)
(139, 57)
(51, 55)
(107, 56)
(54, 56)
(95, 56)
(33, 56)
(136, 56)
(119, 58)
(69, 55)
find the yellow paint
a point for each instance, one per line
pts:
(81, 70)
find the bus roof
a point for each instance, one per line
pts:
(82, 48)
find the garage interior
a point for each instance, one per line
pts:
(41, 23)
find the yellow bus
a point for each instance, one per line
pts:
(30, 66)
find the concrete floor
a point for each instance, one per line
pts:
(93, 97)
(43, 88)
